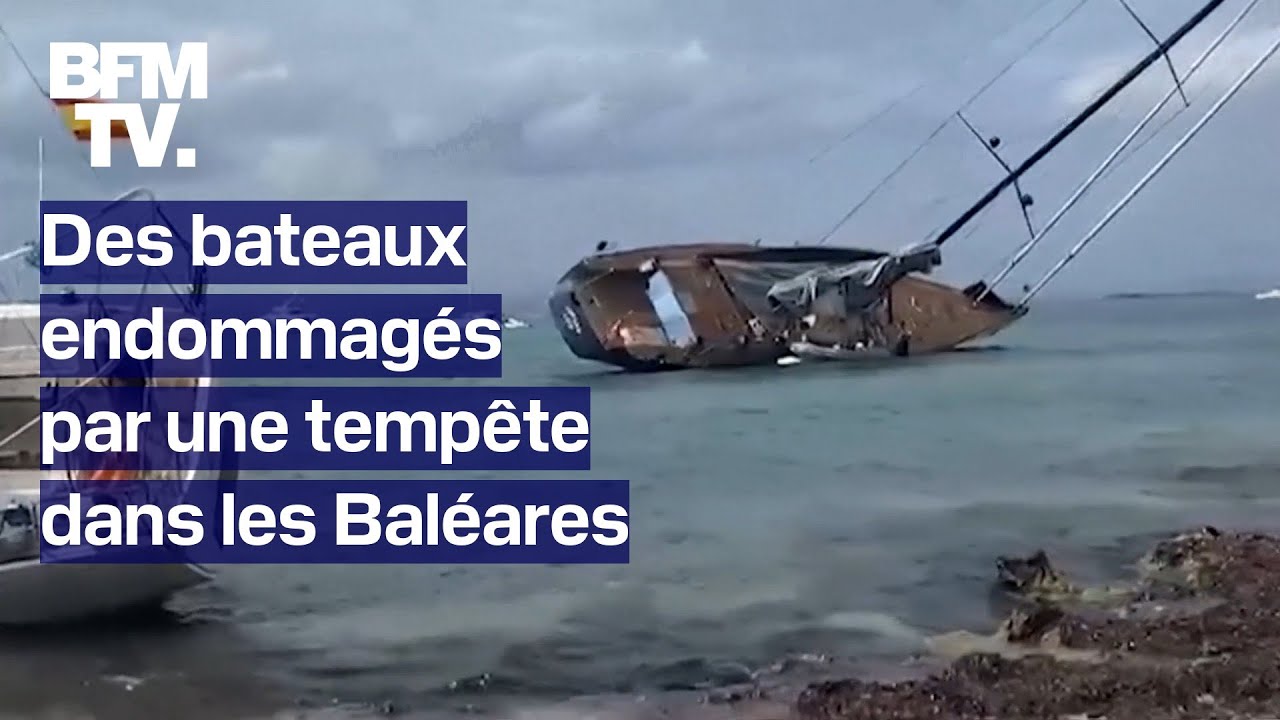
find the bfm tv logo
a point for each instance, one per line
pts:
(99, 70)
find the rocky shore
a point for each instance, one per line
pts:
(1195, 635)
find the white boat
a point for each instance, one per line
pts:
(812, 351)
(1268, 295)
(511, 323)
(20, 311)
(19, 382)
(34, 593)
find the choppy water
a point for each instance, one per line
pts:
(812, 509)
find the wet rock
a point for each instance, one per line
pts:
(1031, 576)
(1030, 624)
(1195, 636)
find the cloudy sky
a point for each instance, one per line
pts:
(565, 122)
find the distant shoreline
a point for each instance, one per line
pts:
(1171, 295)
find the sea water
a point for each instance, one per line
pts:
(819, 509)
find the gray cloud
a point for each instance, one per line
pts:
(569, 121)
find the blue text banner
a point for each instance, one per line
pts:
(248, 242)
(274, 335)
(305, 428)
(336, 521)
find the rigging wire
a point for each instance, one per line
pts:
(1088, 112)
(1129, 153)
(198, 284)
(920, 86)
(1155, 170)
(1110, 162)
(938, 130)
(22, 61)
(35, 80)
(1024, 201)
(973, 227)
(1167, 60)
(1013, 257)
(195, 293)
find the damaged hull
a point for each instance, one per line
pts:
(700, 306)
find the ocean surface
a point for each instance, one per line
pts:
(815, 510)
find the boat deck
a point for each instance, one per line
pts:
(19, 351)
(19, 340)
(20, 480)
(19, 361)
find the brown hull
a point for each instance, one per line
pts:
(605, 309)
(941, 318)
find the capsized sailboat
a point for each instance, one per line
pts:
(729, 304)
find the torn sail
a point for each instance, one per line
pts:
(850, 289)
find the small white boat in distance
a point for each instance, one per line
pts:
(1268, 295)
(511, 323)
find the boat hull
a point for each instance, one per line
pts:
(32, 593)
(604, 308)
(20, 384)
(19, 402)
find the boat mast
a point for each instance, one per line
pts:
(884, 182)
(25, 249)
(39, 174)
(1160, 51)
(1106, 164)
(1155, 170)
(39, 203)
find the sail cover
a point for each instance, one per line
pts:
(751, 280)
(850, 288)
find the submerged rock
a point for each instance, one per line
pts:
(1195, 636)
